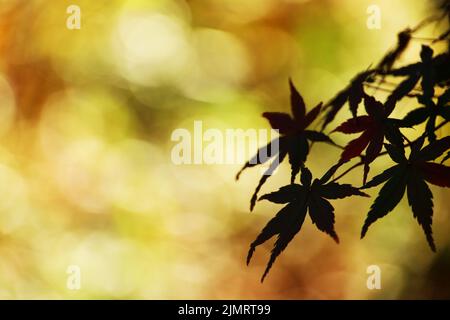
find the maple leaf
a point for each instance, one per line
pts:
(429, 113)
(299, 199)
(447, 156)
(353, 93)
(422, 70)
(432, 71)
(410, 175)
(293, 141)
(403, 40)
(375, 126)
(428, 73)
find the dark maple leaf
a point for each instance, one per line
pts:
(299, 199)
(428, 73)
(440, 64)
(429, 113)
(375, 126)
(411, 175)
(353, 93)
(403, 40)
(402, 90)
(432, 70)
(447, 156)
(293, 141)
(424, 70)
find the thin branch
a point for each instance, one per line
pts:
(432, 40)
(409, 95)
(347, 171)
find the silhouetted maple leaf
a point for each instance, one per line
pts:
(439, 64)
(447, 156)
(411, 175)
(442, 69)
(375, 126)
(403, 39)
(432, 70)
(353, 93)
(293, 140)
(428, 73)
(299, 199)
(429, 113)
(414, 72)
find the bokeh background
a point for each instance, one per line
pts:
(86, 176)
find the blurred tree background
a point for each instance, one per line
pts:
(85, 172)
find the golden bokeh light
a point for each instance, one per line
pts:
(86, 178)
